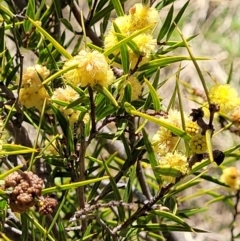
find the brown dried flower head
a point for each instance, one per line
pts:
(47, 205)
(25, 187)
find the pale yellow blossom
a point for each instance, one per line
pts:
(174, 160)
(92, 68)
(225, 96)
(32, 93)
(231, 177)
(67, 95)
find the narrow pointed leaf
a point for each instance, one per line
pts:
(167, 228)
(116, 46)
(209, 145)
(60, 49)
(166, 24)
(154, 95)
(176, 19)
(148, 102)
(31, 13)
(172, 217)
(6, 173)
(72, 185)
(103, 90)
(163, 61)
(151, 154)
(118, 7)
(175, 130)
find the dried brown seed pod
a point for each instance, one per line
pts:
(26, 186)
(47, 205)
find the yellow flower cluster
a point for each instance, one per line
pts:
(174, 160)
(136, 88)
(140, 16)
(231, 177)
(198, 144)
(32, 93)
(91, 69)
(225, 96)
(164, 142)
(67, 95)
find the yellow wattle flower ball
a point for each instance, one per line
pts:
(225, 96)
(67, 95)
(136, 88)
(198, 144)
(230, 177)
(174, 160)
(32, 94)
(92, 69)
(164, 140)
(142, 16)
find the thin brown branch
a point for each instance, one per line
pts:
(89, 32)
(81, 165)
(142, 181)
(146, 207)
(235, 215)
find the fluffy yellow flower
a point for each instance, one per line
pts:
(198, 144)
(92, 68)
(142, 16)
(136, 88)
(225, 96)
(67, 95)
(230, 177)
(32, 93)
(139, 17)
(123, 23)
(34, 75)
(174, 160)
(146, 44)
(174, 117)
(164, 140)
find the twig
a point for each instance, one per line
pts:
(81, 214)
(131, 128)
(93, 115)
(105, 227)
(89, 32)
(18, 55)
(90, 15)
(81, 194)
(235, 214)
(128, 163)
(136, 66)
(144, 209)
(142, 181)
